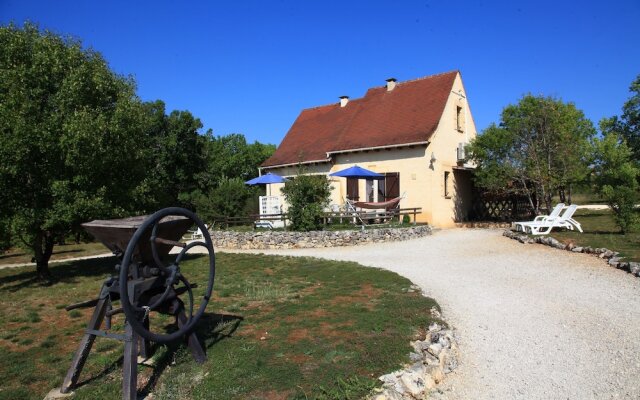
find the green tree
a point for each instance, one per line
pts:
(231, 197)
(72, 138)
(628, 124)
(231, 156)
(307, 195)
(616, 178)
(541, 147)
(176, 157)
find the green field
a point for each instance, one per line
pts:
(601, 231)
(277, 327)
(60, 252)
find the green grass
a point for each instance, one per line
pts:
(601, 231)
(60, 252)
(277, 327)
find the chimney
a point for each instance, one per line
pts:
(391, 84)
(344, 100)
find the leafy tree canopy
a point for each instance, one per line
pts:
(616, 178)
(70, 146)
(628, 124)
(77, 144)
(541, 147)
(232, 157)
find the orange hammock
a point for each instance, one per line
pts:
(371, 205)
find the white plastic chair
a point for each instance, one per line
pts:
(520, 226)
(198, 233)
(565, 220)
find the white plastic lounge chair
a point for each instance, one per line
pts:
(519, 226)
(565, 220)
(198, 233)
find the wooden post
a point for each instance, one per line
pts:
(85, 347)
(130, 364)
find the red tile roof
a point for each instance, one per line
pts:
(408, 114)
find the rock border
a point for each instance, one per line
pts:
(610, 256)
(432, 359)
(263, 240)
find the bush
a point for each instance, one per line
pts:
(307, 196)
(616, 179)
(230, 198)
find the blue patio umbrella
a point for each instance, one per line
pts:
(358, 173)
(266, 179)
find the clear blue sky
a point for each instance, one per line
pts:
(251, 66)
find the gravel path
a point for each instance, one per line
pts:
(534, 322)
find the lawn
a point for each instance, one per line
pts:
(60, 252)
(601, 231)
(277, 328)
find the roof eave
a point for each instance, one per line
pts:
(295, 163)
(392, 146)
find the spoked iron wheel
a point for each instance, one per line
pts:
(137, 308)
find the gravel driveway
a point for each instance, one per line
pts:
(534, 322)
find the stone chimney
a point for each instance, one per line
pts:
(344, 100)
(391, 84)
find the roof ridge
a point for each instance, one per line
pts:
(429, 76)
(332, 104)
(378, 87)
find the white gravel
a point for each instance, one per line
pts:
(534, 322)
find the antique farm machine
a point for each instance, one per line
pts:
(148, 283)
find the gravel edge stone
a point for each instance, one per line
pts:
(610, 256)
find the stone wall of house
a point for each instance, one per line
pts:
(290, 240)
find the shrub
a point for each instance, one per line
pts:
(307, 196)
(616, 179)
(230, 198)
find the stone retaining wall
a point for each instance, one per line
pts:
(290, 240)
(432, 359)
(610, 256)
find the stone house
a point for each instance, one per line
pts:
(412, 132)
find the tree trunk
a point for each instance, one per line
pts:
(529, 197)
(42, 249)
(562, 195)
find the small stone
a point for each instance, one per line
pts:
(435, 327)
(577, 249)
(413, 384)
(435, 349)
(415, 357)
(56, 394)
(429, 383)
(614, 261)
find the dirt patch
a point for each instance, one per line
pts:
(318, 313)
(297, 335)
(299, 359)
(332, 331)
(364, 295)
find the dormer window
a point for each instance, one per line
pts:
(459, 118)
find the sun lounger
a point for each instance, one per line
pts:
(565, 220)
(519, 226)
